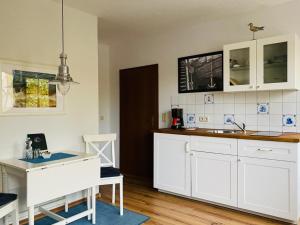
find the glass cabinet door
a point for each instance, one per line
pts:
(239, 66)
(276, 63)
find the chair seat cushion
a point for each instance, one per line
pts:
(7, 198)
(109, 172)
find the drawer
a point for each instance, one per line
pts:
(214, 145)
(268, 150)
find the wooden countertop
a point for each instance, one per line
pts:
(285, 137)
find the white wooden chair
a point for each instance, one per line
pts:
(9, 204)
(108, 173)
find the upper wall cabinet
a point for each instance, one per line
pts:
(265, 64)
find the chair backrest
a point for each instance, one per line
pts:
(92, 140)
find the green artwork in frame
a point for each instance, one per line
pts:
(26, 89)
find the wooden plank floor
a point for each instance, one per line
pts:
(165, 209)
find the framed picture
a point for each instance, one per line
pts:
(25, 89)
(201, 73)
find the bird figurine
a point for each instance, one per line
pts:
(254, 29)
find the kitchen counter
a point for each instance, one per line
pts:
(285, 137)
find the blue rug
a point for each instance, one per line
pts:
(106, 215)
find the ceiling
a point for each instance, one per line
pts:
(144, 16)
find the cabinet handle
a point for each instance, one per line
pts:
(258, 86)
(192, 153)
(187, 147)
(239, 160)
(264, 149)
(251, 86)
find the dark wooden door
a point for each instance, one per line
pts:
(138, 116)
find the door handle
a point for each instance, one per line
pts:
(187, 147)
(264, 149)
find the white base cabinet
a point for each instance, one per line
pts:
(257, 176)
(214, 177)
(172, 163)
(268, 187)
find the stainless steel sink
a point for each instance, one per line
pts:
(216, 131)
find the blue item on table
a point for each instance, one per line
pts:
(54, 156)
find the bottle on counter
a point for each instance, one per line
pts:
(28, 149)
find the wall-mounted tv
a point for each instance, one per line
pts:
(201, 73)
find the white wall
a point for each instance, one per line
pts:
(30, 32)
(194, 38)
(104, 89)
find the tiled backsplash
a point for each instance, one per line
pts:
(275, 107)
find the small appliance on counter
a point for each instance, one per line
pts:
(177, 118)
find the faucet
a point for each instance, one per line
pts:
(243, 128)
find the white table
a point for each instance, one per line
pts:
(54, 179)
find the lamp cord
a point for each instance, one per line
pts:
(62, 27)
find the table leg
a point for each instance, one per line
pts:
(88, 201)
(94, 204)
(31, 215)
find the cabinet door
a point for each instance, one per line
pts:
(214, 177)
(276, 63)
(267, 186)
(240, 66)
(172, 163)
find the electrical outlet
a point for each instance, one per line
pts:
(203, 119)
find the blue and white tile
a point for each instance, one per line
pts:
(251, 108)
(240, 97)
(289, 96)
(199, 98)
(276, 108)
(289, 108)
(209, 98)
(228, 98)
(262, 108)
(228, 119)
(289, 120)
(276, 96)
(191, 120)
(209, 108)
(251, 97)
(263, 96)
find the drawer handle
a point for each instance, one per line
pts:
(264, 149)
(187, 147)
